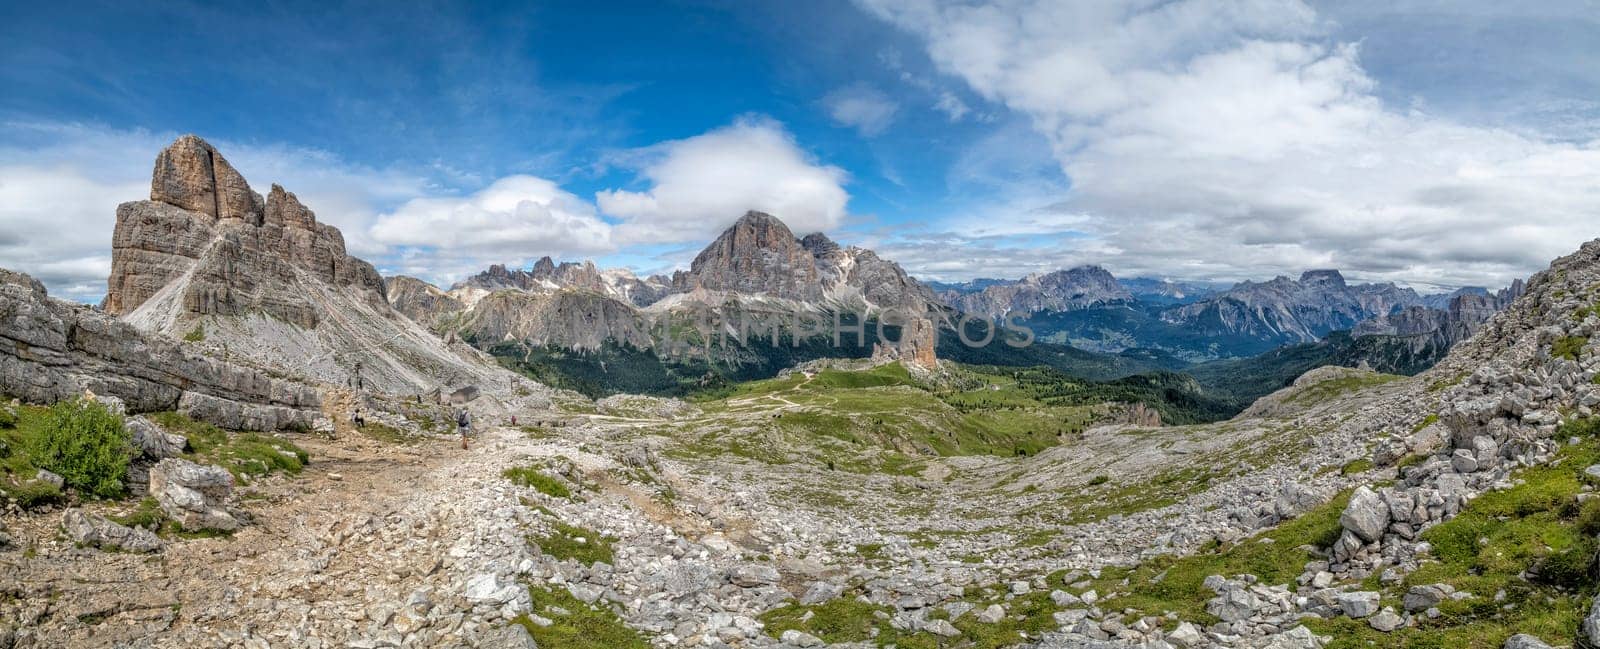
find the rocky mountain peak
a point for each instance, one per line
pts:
(192, 175)
(759, 255)
(1326, 278)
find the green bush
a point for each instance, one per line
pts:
(83, 443)
(195, 335)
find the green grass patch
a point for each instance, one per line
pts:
(246, 455)
(576, 625)
(840, 620)
(147, 515)
(1330, 389)
(1177, 583)
(580, 544)
(197, 334)
(1353, 467)
(527, 476)
(1427, 421)
(1568, 347)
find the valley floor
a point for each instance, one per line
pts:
(656, 523)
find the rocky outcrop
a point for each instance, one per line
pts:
(194, 495)
(264, 279)
(756, 273)
(918, 340)
(1062, 290)
(96, 531)
(1506, 391)
(1463, 313)
(192, 175)
(569, 319)
(758, 255)
(238, 255)
(55, 350)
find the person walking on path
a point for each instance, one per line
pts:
(463, 425)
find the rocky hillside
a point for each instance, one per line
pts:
(1456, 321)
(56, 350)
(207, 258)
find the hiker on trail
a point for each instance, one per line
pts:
(463, 425)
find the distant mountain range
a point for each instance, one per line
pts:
(574, 324)
(1089, 308)
(208, 260)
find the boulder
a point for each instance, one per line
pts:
(1590, 629)
(799, 639)
(1233, 604)
(1367, 515)
(752, 575)
(1359, 604)
(991, 614)
(51, 478)
(96, 531)
(1386, 620)
(194, 495)
(1422, 598)
(152, 441)
(1186, 636)
(1524, 641)
(819, 592)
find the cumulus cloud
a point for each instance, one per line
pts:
(861, 107)
(700, 185)
(516, 218)
(1207, 134)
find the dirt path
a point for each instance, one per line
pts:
(329, 555)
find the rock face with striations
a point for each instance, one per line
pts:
(853, 271)
(241, 253)
(262, 278)
(56, 350)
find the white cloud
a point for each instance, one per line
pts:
(700, 185)
(515, 218)
(952, 106)
(861, 107)
(1213, 134)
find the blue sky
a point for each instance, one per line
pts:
(1436, 144)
